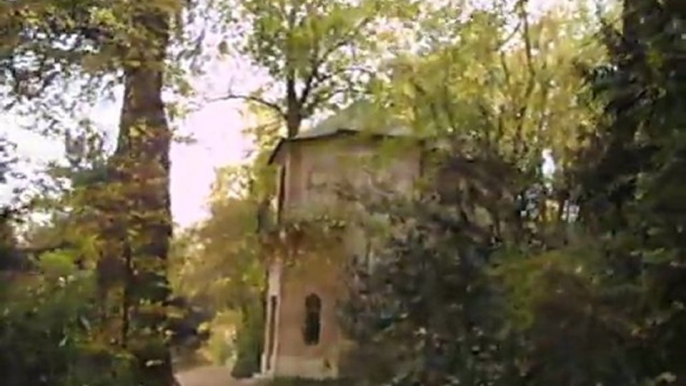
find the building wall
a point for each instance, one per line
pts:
(294, 357)
(314, 171)
(273, 302)
(317, 168)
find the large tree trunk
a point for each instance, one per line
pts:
(142, 159)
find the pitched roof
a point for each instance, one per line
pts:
(354, 119)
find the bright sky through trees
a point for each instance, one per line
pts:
(217, 127)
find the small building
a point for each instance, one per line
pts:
(307, 277)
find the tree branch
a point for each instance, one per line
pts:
(313, 80)
(532, 75)
(431, 102)
(319, 96)
(506, 71)
(510, 36)
(254, 99)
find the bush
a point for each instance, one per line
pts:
(249, 339)
(46, 335)
(288, 381)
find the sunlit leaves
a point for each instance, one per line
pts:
(46, 324)
(318, 52)
(508, 92)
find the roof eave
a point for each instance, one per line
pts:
(342, 131)
(276, 150)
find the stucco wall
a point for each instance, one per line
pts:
(272, 314)
(310, 275)
(314, 171)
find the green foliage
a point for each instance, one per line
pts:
(222, 269)
(249, 341)
(316, 51)
(56, 57)
(222, 265)
(578, 323)
(502, 92)
(57, 264)
(310, 382)
(505, 275)
(632, 196)
(48, 334)
(220, 348)
(219, 264)
(547, 297)
(450, 300)
(429, 299)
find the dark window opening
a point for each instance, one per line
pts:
(313, 312)
(281, 195)
(272, 331)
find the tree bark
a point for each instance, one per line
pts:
(143, 167)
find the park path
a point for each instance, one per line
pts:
(211, 376)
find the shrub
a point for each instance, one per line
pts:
(47, 338)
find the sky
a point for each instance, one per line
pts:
(217, 128)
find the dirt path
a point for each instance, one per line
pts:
(211, 376)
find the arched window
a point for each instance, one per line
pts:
(313, 322)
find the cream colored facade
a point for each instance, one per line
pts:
(313, 171)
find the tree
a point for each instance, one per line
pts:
(49, 307)
(502, 86)
(495, 230)
(222, 267)
(224, 271)
(631, 193)
(427, 306)
(317, 52)
(53, 42)
(141, 166)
